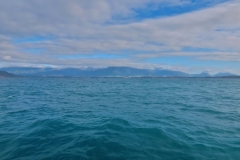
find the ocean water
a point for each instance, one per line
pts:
(118, 118)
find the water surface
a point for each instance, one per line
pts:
(117, 118)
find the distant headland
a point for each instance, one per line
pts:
(4, 74)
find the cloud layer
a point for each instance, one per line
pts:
(103, 33)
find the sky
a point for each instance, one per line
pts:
(185, 35)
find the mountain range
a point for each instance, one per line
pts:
(102, 72)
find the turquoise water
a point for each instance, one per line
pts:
(117, 118)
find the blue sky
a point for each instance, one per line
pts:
(187, 35)
(172, 10)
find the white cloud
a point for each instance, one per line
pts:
(90, 26)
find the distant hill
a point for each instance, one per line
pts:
(90, 72)
(226, 74)
(104, 72)
(4, 74)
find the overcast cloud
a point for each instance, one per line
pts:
(101, 33)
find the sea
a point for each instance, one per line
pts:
(119, 119)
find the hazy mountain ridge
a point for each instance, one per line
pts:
(224, 74)
(4, 74)
(105, 72)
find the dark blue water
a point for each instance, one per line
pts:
(107, 118)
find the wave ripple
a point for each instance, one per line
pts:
(114, 118)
